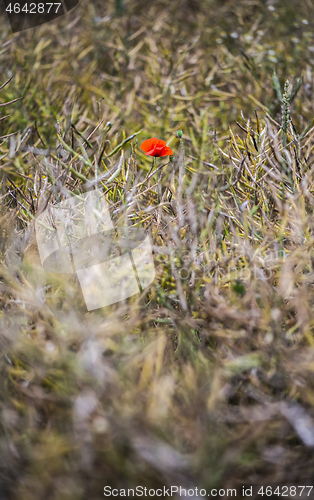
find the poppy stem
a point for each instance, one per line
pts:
(151, 168)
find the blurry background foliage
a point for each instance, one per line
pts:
(205, 379)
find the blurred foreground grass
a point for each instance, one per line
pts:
(206, 378)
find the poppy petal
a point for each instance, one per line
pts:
(166, 151)
(149, 145)
(159, 147)
(155, 147)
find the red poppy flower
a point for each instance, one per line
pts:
(155, 147)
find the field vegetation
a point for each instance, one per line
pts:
(206, 378)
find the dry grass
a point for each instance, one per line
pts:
(206, 378)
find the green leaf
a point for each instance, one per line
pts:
(276, 86)
(295, 90)
(239, 288)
